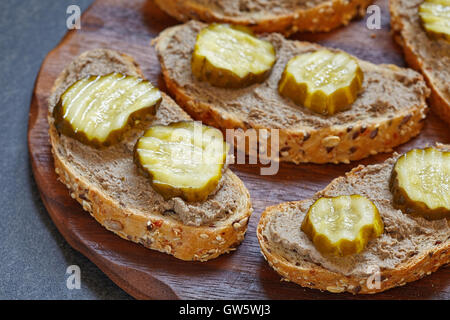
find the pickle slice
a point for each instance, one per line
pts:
(323, 81)
(435, 16)
(231, 57)
(184, 159)
(96, 110)
(342, 225)
(420, 183)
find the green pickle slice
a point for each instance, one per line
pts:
(435, 17)
(183, 159)
(323, 81)
(97, 110)
(231, 57)
(342, 225)
(420, 183)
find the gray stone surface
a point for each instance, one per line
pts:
(33, 255)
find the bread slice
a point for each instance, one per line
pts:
(285, 16)
(431, 57)
(387, 113)
(409, 248)
(108, 185)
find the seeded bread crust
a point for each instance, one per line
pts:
(311, 275)
(437, 100)
(154, 231)
(322, 17)
(334, 144)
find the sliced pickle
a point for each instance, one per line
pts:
(420, 183)
(342, 225)
(231, 57)
(323, 81)
(97, 110)
(435, 16)
(184, 159)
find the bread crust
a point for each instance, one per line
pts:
(323, 17)
(439, 104)
(318, 277)
(308, 145)
(152, 230)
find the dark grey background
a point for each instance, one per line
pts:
(33, 255)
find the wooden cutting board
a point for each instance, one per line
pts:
(128, 26)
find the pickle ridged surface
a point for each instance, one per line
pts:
(97, 110)
(323, 81)
(342, 225)
(231, 57)
(184, 159)
(435, 17)
(420, 183)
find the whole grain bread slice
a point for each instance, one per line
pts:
(388, 112)
(430, 57)
(409, 248)
(284, 16)
(108, 185)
